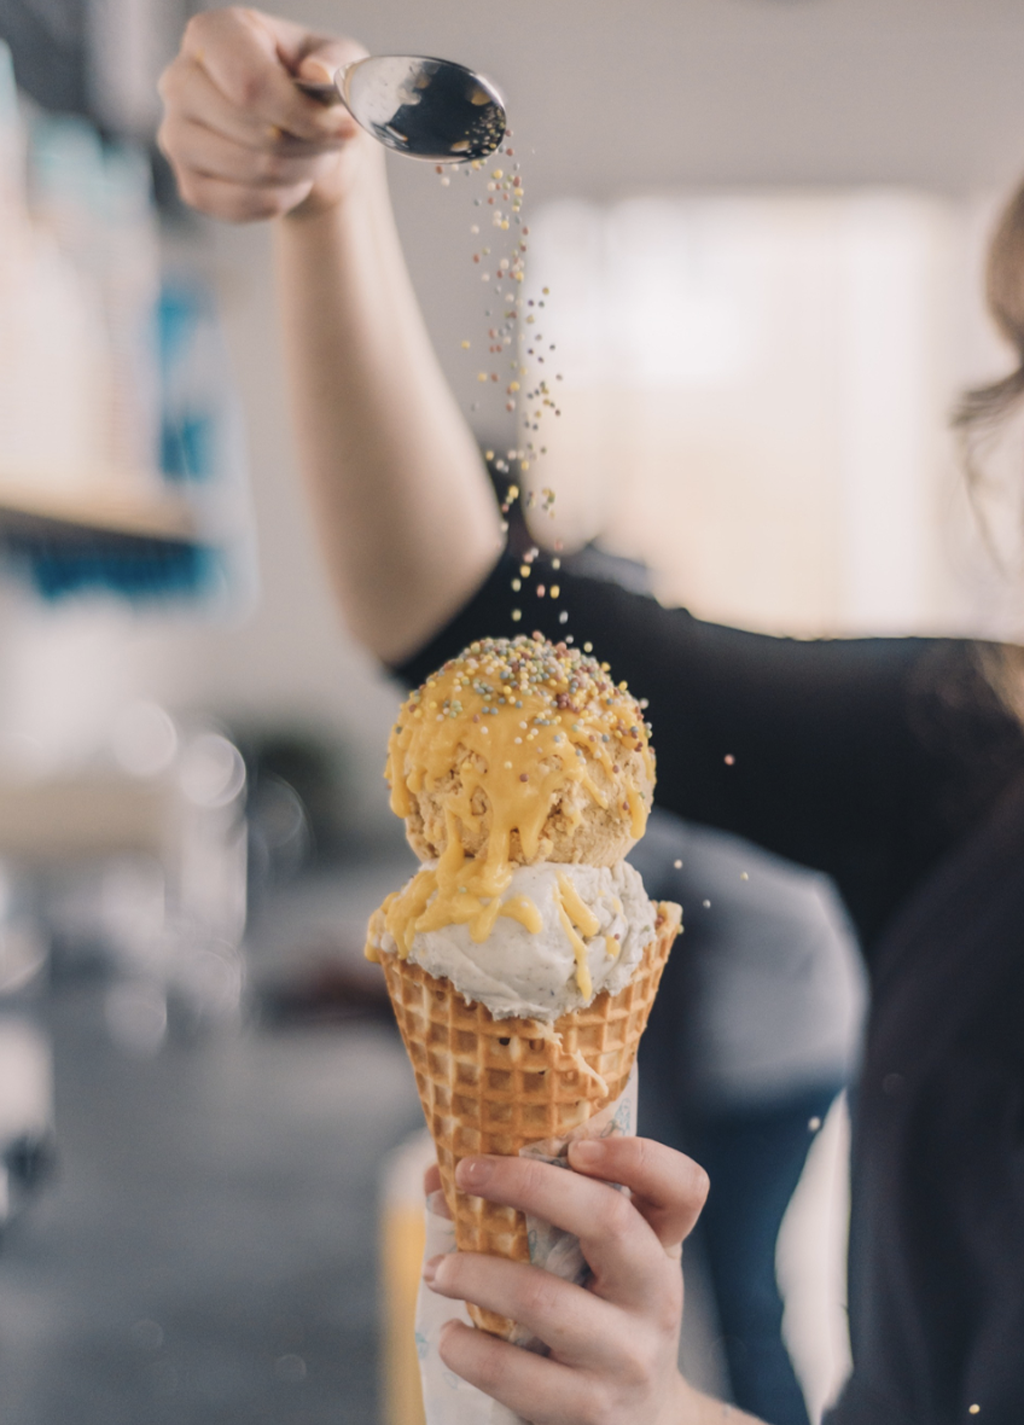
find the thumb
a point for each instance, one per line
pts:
(319, 61)
(315, 70)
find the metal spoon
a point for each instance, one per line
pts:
(427, 108)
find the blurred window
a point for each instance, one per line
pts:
(754, 397)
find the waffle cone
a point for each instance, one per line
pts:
(494, 1085)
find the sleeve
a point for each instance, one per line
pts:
(810, 748)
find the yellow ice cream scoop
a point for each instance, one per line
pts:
(517, 751)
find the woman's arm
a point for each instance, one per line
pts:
(401, 500)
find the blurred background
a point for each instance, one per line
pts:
(761, 224)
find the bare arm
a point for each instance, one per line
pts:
(404, 508)
(402, 504)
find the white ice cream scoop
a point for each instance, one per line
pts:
(535, 973)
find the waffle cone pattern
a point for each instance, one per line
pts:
(494, 1085)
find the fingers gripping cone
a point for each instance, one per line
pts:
(495, 1085)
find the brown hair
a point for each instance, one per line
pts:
(983, 407)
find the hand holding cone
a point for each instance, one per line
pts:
(516, 754)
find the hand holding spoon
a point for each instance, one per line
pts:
(426, 108)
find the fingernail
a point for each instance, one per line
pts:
(473, 1172)
(430, 1269)
(588, 1151)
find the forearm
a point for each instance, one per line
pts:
(400, 497)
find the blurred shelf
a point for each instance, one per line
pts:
(113, 511)
(85, 816)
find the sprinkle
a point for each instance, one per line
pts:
(678, 865)
(516, 615)
(744, 876)
(814, 1124)
(729, 760)
(706, 904)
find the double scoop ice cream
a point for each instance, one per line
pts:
(523, 957)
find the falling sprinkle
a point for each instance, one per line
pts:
(814, 1124)
(706, 904)
(729, 760)
(678, 865)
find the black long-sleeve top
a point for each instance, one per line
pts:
(891, 765)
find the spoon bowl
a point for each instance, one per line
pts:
(426, 108)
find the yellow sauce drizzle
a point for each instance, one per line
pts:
(577, 909)
(522, 908)
(522, 721)
(637, 813)
(551, 1035)
(435, 898)
(583, 980)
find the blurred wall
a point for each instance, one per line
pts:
(605, 98)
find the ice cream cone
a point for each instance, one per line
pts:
(495, 1085)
